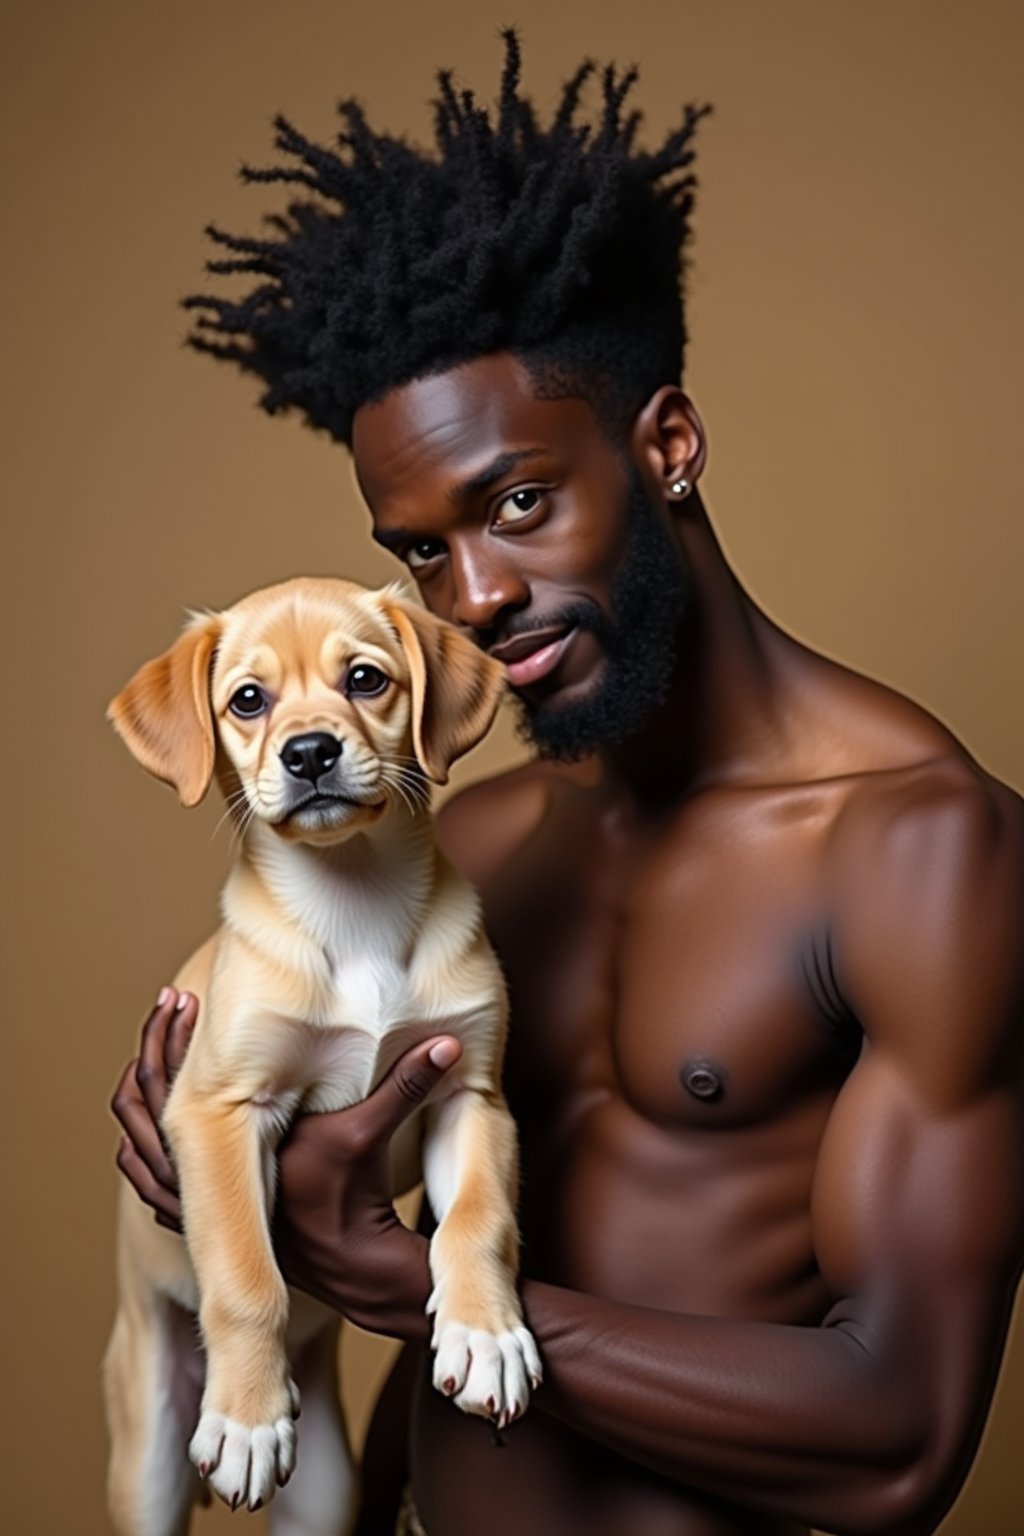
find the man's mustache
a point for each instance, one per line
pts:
(583, 614)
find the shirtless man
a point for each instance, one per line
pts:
(760, 917)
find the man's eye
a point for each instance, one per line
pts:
(422, 552)
(519, 504)
(366, 681)
(247, 702)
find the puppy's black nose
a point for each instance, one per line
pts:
(307, 757)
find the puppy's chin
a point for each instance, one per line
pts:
(328, 821)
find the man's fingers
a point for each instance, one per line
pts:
(133, 1113)
(403, 1089)
(166, 1204)
(179, 1034)
(165, 1038)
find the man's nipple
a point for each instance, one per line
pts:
(701, 1078)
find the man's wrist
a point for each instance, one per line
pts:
(394, 1293)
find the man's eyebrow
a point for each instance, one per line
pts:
(397, 538)
(392, 538)
(492, 472)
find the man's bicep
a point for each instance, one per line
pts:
(911, 1196)
(917, 1197)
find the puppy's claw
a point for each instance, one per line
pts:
(491, 1372)
(249, 1459)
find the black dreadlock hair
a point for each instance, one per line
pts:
(561, 244)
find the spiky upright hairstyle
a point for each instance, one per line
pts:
(561, 244)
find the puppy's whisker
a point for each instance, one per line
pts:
(411, 774)
(412, 777)
(400, 790)
(414, 794)
(241, 826)
(232, 809)
(402, 758)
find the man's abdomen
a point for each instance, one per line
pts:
(542, 1479)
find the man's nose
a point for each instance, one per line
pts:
(484, 585)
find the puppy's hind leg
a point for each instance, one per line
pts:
(322, 1496)
(152, 1377)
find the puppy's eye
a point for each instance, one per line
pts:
(366, 681)
(248, 701)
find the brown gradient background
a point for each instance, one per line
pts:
(856, 351)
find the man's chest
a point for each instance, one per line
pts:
(687, 973)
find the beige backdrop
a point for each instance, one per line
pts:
(856, 352)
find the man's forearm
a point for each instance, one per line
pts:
(803, 1422)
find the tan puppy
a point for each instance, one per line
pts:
(323, 708)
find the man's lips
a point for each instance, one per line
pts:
(530, 657)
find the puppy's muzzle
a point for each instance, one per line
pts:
(310, 756)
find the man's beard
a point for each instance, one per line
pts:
(649, 598)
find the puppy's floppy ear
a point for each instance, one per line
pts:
(164, 714)
(456, 687)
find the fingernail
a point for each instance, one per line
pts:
(165, 996)
(444, 1053)
(182, 1000)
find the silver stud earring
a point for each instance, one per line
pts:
(680, 487)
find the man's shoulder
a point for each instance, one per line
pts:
(919, 789)
(927, 881)
(904, 775)
(922, 852)
(481, 827)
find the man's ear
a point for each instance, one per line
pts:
(164, 715)
(456, 687)
(668, 438)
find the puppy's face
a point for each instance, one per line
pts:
(312, 705)
(323, 703)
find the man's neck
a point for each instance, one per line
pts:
(723, 718)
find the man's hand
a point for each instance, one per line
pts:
(139, 1100)
(336, 1232)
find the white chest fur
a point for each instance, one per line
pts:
(373, 948)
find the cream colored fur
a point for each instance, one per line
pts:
(346, 938)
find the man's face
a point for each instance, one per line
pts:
(521, 522)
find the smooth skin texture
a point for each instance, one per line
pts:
(766, 987)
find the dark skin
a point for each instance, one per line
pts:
(765, 969)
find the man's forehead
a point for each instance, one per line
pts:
(452, 427)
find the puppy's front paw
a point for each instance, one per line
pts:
(245, 1463)
(486, 1373)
